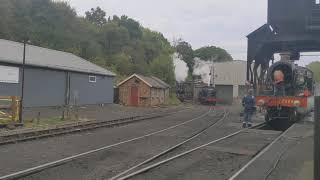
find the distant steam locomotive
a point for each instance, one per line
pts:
(287, 94)
(207, 96)
(199, 92)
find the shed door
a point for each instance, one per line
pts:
(134, 96)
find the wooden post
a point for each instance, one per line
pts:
(317, 138)
(14, 108)
(38, 118)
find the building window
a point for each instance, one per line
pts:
(317, 1)
(92, 79)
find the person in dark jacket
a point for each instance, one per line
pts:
(248, 102)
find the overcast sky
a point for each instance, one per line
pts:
(223, 23)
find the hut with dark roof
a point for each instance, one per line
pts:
(139, 90)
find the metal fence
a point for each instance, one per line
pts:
(9, 109)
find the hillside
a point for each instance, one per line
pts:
(120, 44)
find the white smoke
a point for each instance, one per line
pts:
(181, 68)
(202, 68)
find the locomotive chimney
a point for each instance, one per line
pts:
(285, 56)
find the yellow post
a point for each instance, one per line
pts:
(14, 108)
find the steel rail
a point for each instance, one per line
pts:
(42, 167)
(182, 154)
(225, 114)
(26, 136)
(264, 150)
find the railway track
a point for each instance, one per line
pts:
(262, 152)
(149, 164)
(130, 173)
(78, 127)
(33, 170)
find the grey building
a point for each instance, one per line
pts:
(230, 80)
(52, 78)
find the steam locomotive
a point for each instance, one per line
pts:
(207, 96)
(287, 95)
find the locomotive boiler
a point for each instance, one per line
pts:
(287, 95)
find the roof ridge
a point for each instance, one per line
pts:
(55, 50)
(50, 58)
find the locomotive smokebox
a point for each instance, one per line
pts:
(278, 69)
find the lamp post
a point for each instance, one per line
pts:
(22, 82)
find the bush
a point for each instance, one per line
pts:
(173, 100)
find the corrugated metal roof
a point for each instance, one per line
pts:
(150, 81)
(12, 52)
(154, 81)
(164, 84)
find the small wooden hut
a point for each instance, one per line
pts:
(139, 90)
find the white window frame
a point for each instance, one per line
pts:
(93, 81)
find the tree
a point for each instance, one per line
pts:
(213, 53)
(315, 68)
(96, 16)
(119, 44)
(113, 37)
(185, 50)
(132, 26)
(155, 44)
(6, 14)
(163, 68)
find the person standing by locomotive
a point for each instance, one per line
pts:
(279, 86)
(248, 102)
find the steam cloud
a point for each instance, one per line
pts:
(202, 68)
(181, 68)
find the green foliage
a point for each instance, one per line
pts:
(186, 52)
(163, 68)
(133, 26)
(315, 68)
(212, 53)
(173, 100)
(113, 38)
(96, 16)
(120, 44)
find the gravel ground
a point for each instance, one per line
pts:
(88, 113)
(296, 163)
(96, 112)
(110, 162)
(28, 154)
(219, 160)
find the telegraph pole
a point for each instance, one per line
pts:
(317, 138)
(211, 84)
(22, 82)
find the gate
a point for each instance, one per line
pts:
(9, 109)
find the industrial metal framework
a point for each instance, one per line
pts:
(293, 27)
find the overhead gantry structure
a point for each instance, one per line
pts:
(293, 26)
